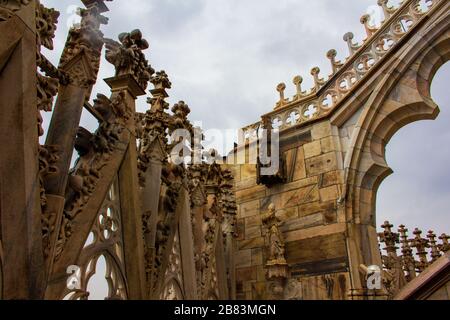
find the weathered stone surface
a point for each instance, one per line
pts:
(315, 207)
(253, 221)
(246, 184)
(257, 257)
(243, 258)
(240, 229)
(312, 149)
(300, 168)
(303, 251)
(246, 274)
(250, 194)
(315, 232)
(329, 193)
(321, 164)
(321, 130)
(282, 188)
(251, 243)
(300, 196)
(259, 291)
(331, 178)
(248, 171)
(249, 209)
(328, 144)
(288, 214)
(323, 287)
(252, 232)
(309, 221)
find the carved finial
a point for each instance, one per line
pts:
(161, 80)
(46, 24)
(388, 11)
(298, 80)
(128, 58)
(445, 246)
(370, 30)
(318, 82)
(435, 254)
(335, 65)
(281, 88)
(352, 47)
(180, 117)
(85, 38)
(421, 245)
(388, 237)
(100, 4)
(181, 109)
(407, 254)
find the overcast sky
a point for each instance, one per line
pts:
(225, 58)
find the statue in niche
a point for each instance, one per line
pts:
(276, 265)
(276, 242)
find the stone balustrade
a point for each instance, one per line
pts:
(327, 94)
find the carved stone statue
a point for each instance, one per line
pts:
(277, 267)
(276, 242)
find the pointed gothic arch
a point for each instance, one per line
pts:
(172, 290)
(400, 96)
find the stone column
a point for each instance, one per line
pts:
(20, 210)
(79, 62)
(153, 153)
(228, 201)
(187, 248)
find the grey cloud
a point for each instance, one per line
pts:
(225, 58)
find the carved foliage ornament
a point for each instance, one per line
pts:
(46, 24)
(88, 39)
(172, 183)
(7, 8)
(128, 58)
(47, 88)
(48, 156)
(152, 126)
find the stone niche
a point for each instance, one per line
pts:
(308, 205)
